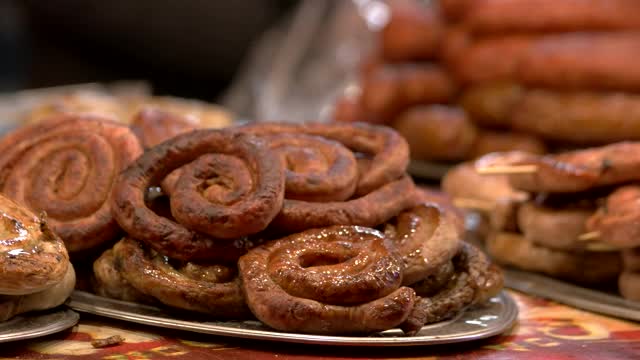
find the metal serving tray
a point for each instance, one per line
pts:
(573, 295)
(496, 317)
(32, 325)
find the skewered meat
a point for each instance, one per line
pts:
(554, 228)
(591, 268)
(579, 170)
(616, 222)
(498, 199)
(488, 142)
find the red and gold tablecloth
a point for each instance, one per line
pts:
(546, 330)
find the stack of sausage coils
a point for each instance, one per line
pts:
(312, 228)
(561, 70)
(572, 215)
(461, 79)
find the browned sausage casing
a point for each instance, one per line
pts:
(66, 166)
(250, 215)
(551, 15)
(413, 32)
(206, 288)
(580, 117)
(336, 280)
(436, 132)
(583, 60)
(578, 170)
(390, 88)
(617, 221)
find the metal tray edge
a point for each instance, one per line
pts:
(509, 314)
(70, 320)
(572, 295)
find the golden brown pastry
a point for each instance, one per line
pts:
(80, 102)
(199, 113)
(32, 257)
(56, 295)
(35, 273)
(153, 126)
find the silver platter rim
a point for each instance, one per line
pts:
(38, 324)
(573, 295)
(473, 324)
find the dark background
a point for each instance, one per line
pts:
(189, 48)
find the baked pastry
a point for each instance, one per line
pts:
(35, 272)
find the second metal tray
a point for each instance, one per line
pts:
(496, 317)
(573, 295)
(36, 324)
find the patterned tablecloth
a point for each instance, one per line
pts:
(546, 330)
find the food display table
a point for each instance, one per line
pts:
(545, 330)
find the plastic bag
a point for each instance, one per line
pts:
(299, 68)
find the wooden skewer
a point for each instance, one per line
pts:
(600, 247)
(474, 204)
(507, 169)
(590, 236)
